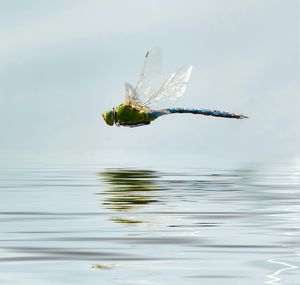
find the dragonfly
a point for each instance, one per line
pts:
(141, 102)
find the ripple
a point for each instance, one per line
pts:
(236, 225)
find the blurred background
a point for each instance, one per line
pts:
(63, 63)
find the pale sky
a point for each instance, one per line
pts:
(63, 63)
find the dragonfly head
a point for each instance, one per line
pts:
(109, 117)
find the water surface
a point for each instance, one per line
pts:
(90, 224)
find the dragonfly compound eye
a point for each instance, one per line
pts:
(109, 117)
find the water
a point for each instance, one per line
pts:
(91, 224)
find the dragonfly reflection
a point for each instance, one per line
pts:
(129, 189)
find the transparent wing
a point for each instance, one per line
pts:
(149, 74)
(130, 93)
(172, 89)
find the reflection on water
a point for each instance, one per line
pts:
(197, 226)
(129, 189)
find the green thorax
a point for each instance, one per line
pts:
(130, 115)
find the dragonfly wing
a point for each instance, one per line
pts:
(172, 89)
(131, 95)
(150, 72)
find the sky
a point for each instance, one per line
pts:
(63, 63)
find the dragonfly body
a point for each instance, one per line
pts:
(138, 112)
(134, 116)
